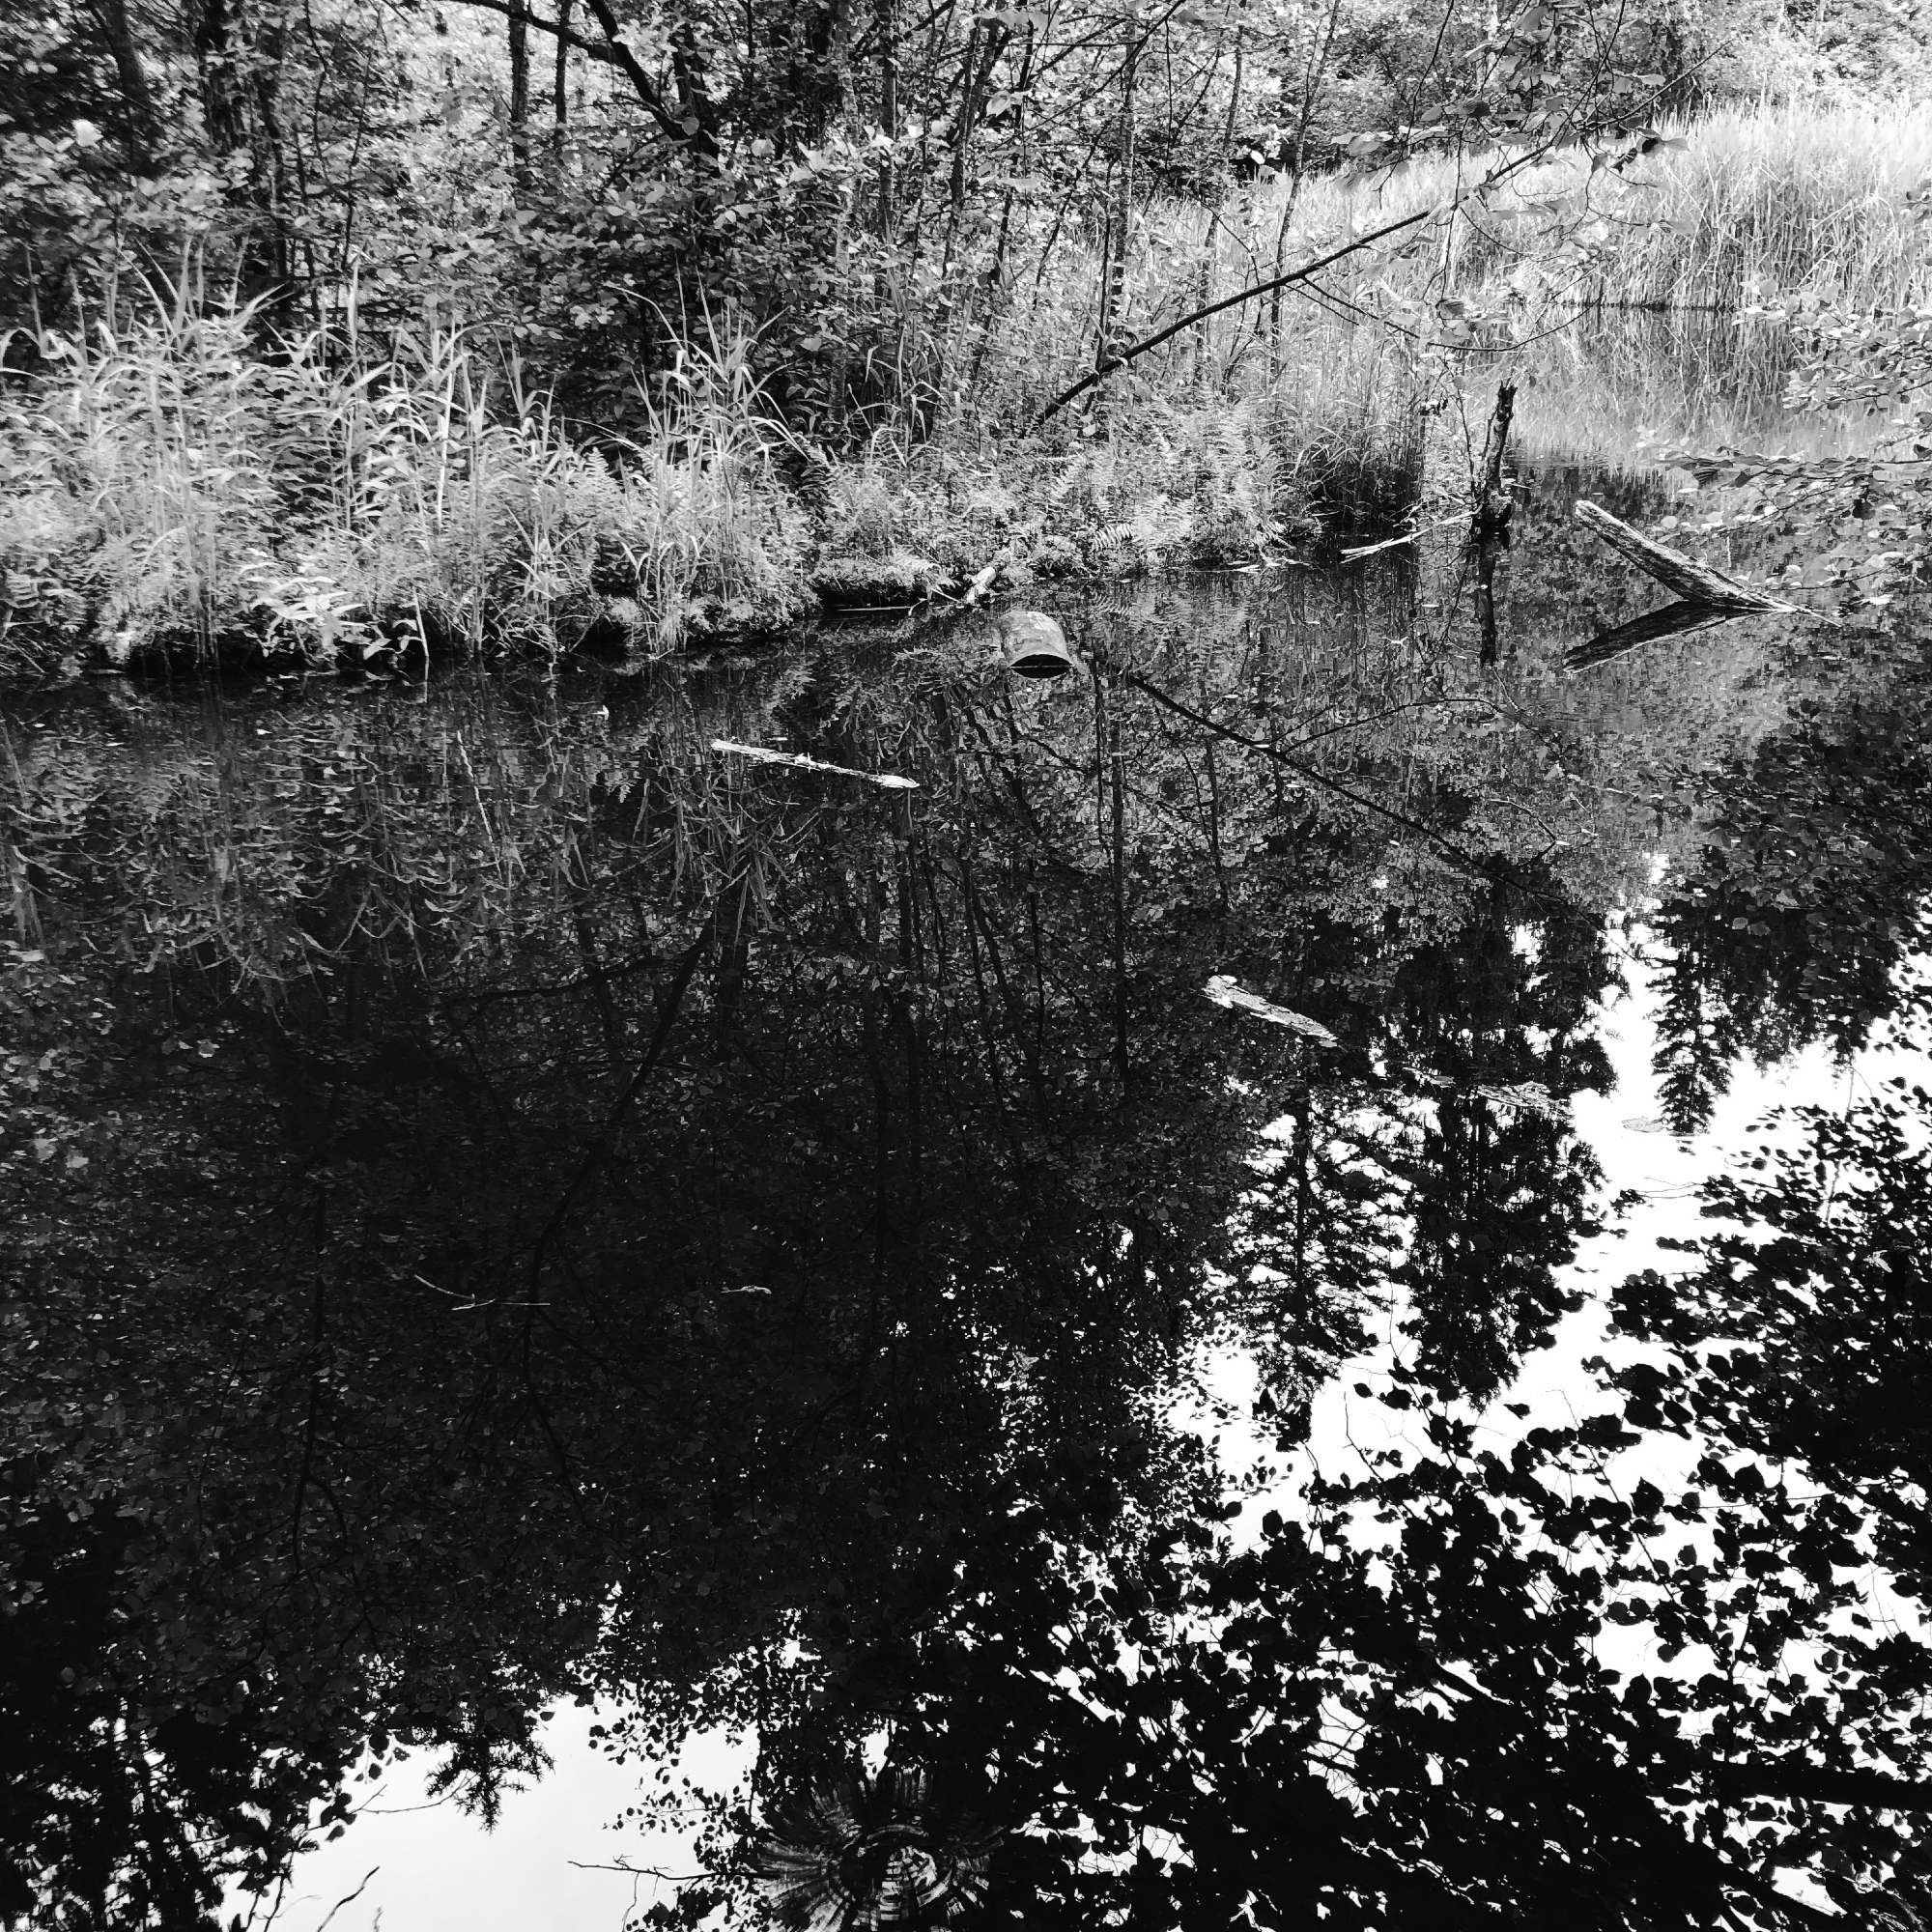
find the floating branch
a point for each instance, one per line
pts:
(1224, 992)
(763, 754)
(1530, 1095)
(1407, 537)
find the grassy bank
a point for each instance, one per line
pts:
(170, 489)
(166, 488)
(169, 493)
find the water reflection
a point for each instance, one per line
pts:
(508, 1200)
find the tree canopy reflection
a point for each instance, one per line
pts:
(508, 1203)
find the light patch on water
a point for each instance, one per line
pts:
(410, 1862)
(1350, 1426)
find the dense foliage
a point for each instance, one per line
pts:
(859, 182)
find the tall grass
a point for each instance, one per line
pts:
(1740, 205)
(168, 488)
(707, 534)
(1760, 206)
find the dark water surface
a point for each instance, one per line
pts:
(504, 1202)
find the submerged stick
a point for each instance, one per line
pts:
(763, 754)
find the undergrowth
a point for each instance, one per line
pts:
(168, 489)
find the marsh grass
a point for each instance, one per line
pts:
(172, 491)
(1774, 204)
(1636, 390)
(1740, 205)
(712, 539)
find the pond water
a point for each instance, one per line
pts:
(952, 1349)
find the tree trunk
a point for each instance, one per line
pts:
(222, 65)
(996, 269)
(1318, 61)
(1117, 774)
(271, 172)
(520, 101)
(696, 111)
(1119, 217)
(888, 117)
(1490, 525)
(1204, 286)
(212, 32)
(139, 123)
(962, 138)
(559, 95)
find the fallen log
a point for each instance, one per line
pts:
(1694, 581)
(1706, 595)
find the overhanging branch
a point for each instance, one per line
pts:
(1300, 274)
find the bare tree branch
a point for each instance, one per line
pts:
(613, 52)
(1138, 349)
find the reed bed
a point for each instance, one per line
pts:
(169, 490)
(1742, 206)
(1772, 206)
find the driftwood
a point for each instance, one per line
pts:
(1706, 596)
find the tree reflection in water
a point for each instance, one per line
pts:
(860, 1854)
(505, 1203)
